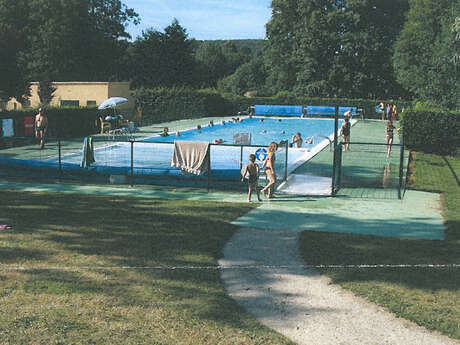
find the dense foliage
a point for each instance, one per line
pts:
(353, 49)
(426, 50)
(58, 40)
(334, 48)
(432, 130)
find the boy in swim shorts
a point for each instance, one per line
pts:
(252, 171)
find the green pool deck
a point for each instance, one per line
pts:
(360, 211)
(416, 216)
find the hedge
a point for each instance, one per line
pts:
(64, 122)
(161, 105)
(432, 131)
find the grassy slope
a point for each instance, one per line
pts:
(427, 296)
(62, 278)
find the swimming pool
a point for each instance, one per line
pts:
(263, 130)
(152, 156)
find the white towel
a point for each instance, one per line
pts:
(87, 157)
(191, 156)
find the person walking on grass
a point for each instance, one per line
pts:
(252, 171)
(269, 165)
(41, 127)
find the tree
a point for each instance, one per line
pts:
(45, 91)
(211, 64)
(13, 82)
(73, 39)
(163, 58)
(424, 51)
(217, 60)
(281, 45)
(250, 76)
(333, 47)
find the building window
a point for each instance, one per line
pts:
(26, 103)
(70, 103)
(90, 103)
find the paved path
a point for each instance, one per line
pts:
(263, 272)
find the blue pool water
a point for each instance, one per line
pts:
(152, 156)
(263, 130)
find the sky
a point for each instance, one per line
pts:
(204, 19)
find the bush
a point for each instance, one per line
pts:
(431, 130)
(162, 104)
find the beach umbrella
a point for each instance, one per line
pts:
(112, 102)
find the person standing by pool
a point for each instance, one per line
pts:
(381, 109)
(345, 132)
(395, 112)
(252, 170)
(389, 112)
(41, 127)
(269, 165)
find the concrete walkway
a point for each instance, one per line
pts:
(263, 271)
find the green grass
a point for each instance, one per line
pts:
(428, 296)
(78, 269)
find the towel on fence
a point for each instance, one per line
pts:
(87, 157)
(7, 128)
(190, 156)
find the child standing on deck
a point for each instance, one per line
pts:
(252, 170)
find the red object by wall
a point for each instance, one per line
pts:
(29, 126)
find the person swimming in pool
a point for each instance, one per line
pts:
(165, 132)
(297, 140)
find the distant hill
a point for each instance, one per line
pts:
(254, 45)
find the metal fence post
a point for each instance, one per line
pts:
(401, 162)
(241, 157)
(334, 155)
(132, 163)
(286, 163)
(60, 158)
(209, 167)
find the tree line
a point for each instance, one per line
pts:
(313, 48)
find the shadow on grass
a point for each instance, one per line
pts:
(149, 251)
(344, 249)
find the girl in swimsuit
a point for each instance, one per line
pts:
(345, 130)
(389, 129)
(269, 165)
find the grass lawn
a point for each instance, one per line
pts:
(79, 269)
(428, 296)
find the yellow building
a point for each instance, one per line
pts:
(80, 94)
